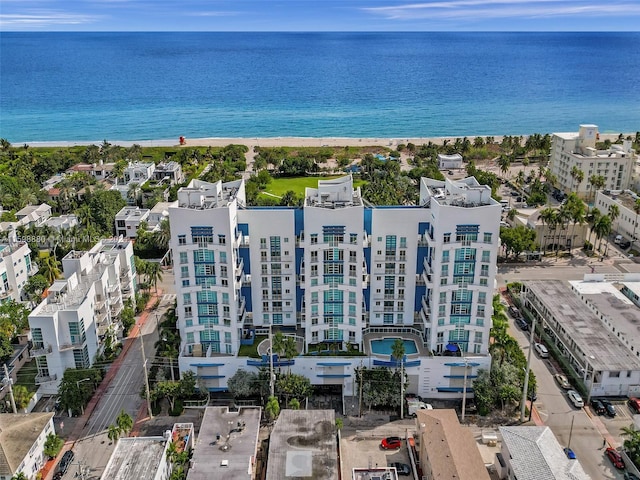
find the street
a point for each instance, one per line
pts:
(573, 427)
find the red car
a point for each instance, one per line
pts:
(615, 458)
(634, 404)
(391, 443)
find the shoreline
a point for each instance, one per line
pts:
(388, 142)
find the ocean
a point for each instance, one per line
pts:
(144, 86)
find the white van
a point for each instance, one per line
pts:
(542, 350)
(618, 239)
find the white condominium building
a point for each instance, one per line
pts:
(335, 270)
(15, 268)
(578, 149)
(80, 311)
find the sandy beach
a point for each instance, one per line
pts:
(287, 141)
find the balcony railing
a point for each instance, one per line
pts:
(6, 294)
(40, 379)
(40, 351)
(73, 345)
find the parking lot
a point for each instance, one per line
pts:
(361, 448)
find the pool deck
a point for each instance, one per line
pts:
(404, 336)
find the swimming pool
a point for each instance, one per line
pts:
(383, 346)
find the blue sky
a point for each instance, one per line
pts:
(320, 15)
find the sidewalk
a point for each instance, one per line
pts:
(83, 420)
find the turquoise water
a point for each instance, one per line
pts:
(383, 346)
(58, 86)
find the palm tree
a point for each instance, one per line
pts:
(614, 212)
(597, 183)
(154, 274)
(113, 433)
(602, 228)
(124, 422)
(134, 192)
(20, 476)
(577, 210)
(593, 218)
(636, 208)
(504, 163)
(50, 268)
(546, 217)
(272, 409)
(162, 236)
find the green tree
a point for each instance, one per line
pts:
(242, 384)
(113, 433)
(20, 476)
(339, 423)
(162, 236)
(636, 209)
(105, 204)
(292, 385)
(272, 409)
(124, 422)
(154, 274)
(35, 287)
(22, 396)
(294, 404)
(52, 445)
(50, 268)
(632, 442)
(517, 240)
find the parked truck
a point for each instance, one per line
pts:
(414, 405)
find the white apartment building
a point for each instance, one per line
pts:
(128, 220)
(70, 326)
(158, 213)
(22, 439)
(578, 149)
(136, 172)
(336, 274)
(627, 222)
(15, 268)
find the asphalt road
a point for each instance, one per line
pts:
(572, 426)
(93, 449)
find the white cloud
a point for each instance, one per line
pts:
(484, 9)
(44, 19)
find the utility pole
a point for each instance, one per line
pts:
(146, 377)
(526, 373)
(402, 388)
(271, 374)
(571, 431)
(9, 381)
(360, 401)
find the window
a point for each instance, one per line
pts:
(182, 239)
(353, 256)
(222, 239)
(184, 257)
(223, 257)
(442, 310)
(487, 237)
(403, 242)
(185, 283)
(184, 272)
(486, 257)
(353, 238)
(443, 297)
(444, 271)
(484, 271)
(186, 298)
(443, 281)
(314, 238)
(446, 238)
(480, 312)
(445, 256)
(482, 298)
(187, 312)
(483, 282)
(263, 243)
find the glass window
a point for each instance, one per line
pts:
(184, 257)
(487, 237)
(486, 257)
(445, 256)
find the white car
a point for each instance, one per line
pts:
(575, 398)
(542, 350)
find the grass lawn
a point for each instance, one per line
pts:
(251, 351)
(279, 186)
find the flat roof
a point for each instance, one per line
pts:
(135, 458)
(236, 447)
(535, 454)
(303, 444)
(18, 433)
(599, 344)
(620, 313)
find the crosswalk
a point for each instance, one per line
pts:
(168, 298)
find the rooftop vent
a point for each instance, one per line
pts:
(224, 463)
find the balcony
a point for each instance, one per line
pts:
(40, 351)
(112, 288)
(41, 378)
(6, 294)
(116, 309)
(73, 345)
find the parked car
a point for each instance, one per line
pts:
(401, 468)
(618, 239)
(609, 408)
(569, 453)
(562, 381)
(598, 407)
(515, 313)
(542, 350)
(630, 476)
(391, 443)
(575, 398)
(634, 404)
(615, 458)
(66, 460)
(624, 244)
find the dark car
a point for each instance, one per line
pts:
(624, 244)
(515, 313)
(630, 476)
(66, 460)
(401, 468)
(610, 409)
(391, 443)
(569, 453)
(522, 324)
(598, 407)
(615, 458)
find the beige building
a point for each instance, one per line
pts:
(567, 236)
(447, 449)
(578, 149)
(627, 222)
(22, 438)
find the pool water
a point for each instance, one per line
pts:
(383, 346)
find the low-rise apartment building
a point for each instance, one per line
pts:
(15, 268)
(128, 220)
(22, 439)
(577, 150)
(81, 310)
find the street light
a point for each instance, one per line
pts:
(78, 385)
